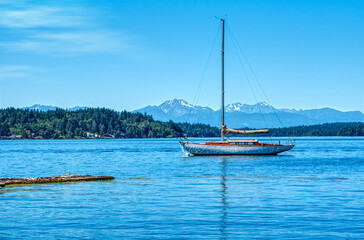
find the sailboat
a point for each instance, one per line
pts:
(234, 147)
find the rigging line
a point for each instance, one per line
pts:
(256, 78)
(198, 91)
(218, 120)
(235, 42)
(206, 67)
(247, 77)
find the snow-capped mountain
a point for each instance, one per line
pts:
(240, 115)
(44, 108)
(180, 107)
(261, 107)
(174, 109)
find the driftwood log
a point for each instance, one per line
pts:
(54, 179)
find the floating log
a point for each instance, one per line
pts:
(53, 179)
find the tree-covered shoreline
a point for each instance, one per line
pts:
(90, 123)
(107, 123)
(320, 130)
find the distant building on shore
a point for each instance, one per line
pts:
(11, 137)
(92, 135)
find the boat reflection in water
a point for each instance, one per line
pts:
(224, 194)
(223, 199)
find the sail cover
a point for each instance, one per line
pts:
(226, 130)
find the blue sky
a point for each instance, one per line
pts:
(129, 54)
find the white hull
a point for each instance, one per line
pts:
(203, 149)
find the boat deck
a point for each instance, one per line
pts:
(247, 142)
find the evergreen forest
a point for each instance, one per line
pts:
(320, 130)
(107, 123)
(91, 123)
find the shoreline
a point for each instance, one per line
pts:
(32, 139)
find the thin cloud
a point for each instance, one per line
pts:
(58, 30)
(40, 17)
(14, 71)
(68, 43)
(23, 74)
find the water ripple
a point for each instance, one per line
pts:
(314, 191)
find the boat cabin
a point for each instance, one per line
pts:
(234, 142)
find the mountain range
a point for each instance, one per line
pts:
(238, 115)
(44, 108)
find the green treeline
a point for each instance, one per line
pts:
(199, 130)
(320, 130)
(91, 122)
(106, 123)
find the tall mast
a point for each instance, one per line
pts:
(222, 80)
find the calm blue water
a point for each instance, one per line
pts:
(315, 191)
